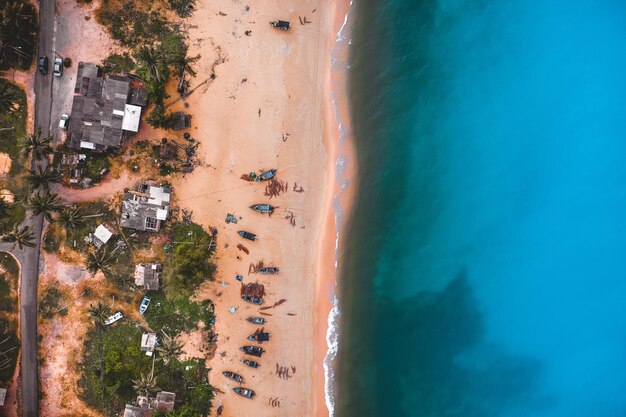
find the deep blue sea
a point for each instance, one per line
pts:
(483, 273)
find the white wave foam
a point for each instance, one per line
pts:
(332, 333)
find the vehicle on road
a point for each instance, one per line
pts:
(42, 65)
(58, 67)
(64, 122)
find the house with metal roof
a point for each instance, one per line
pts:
(101, 114)
(148, 275)
(147, 207)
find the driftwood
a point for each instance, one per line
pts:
(243, 249)
(254, 268)
(275, 187)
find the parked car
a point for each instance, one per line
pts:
(43, 65)
(64, 122)
(58, 67)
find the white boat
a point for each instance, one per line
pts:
(115, 317)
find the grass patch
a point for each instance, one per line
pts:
(177, 315)
(113, 359)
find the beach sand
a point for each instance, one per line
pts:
(268, 107)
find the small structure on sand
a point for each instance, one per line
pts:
(148, 275)
(147, 207)
(3, 395)
(182, 121)
(148, 343)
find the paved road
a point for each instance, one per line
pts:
(29, 257)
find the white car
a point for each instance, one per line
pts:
(64, 122)
(58, 67)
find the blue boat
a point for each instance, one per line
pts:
(144, 305)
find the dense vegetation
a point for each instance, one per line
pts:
(113, 361)
(9, 342)
(188, 265)
(18, 34)
(13, 115)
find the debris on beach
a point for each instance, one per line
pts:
(297, 189)
(231, 218)
(253, 289)
(292, 218)
(275, 188)
(232, 310)
(243, 249)
(254, 268)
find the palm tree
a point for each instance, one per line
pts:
(145, 385)
(44, 203)
(100, 260)
(70, 218)
(151, 59)
(183, 62)
(17, 32)
(42, 177)
(20, 237)
(9, 100)
(99, 312)
(183, 8)
(40, 148)
(169, 348)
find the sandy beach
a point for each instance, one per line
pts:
(268, 107)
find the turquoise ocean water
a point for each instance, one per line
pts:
(484, 269)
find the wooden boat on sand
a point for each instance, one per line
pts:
(244, 392)
(233, 376)
(250, 363)
(252, 350)
(247, 235)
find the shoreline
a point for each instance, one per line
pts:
(338, 202)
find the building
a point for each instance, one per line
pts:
(134, 411)
(101, 113)
(146, 208)
(148, 276)
(148, 343)
(3, 396)
(103, 234)
(165, 401)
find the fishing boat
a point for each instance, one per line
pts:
(233, 376)
(244, 392)
(280, 24)
(267, 175)
(144, 305)
(259, 337)
(252, 299)
(250, 363)
(247, 235)
(256, 320)
(262, 208)
(252, 350)
(269, 270)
